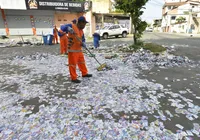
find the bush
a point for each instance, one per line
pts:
(147, 46)
(154, 47)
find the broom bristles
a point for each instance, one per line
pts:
(101, 67)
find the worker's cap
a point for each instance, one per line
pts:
(74, 20)
(82, 18)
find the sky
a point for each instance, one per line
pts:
(153, 10)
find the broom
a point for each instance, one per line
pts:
(102, 66)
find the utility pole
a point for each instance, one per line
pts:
(189, 20)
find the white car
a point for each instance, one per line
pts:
(149, 29)
(113, 30)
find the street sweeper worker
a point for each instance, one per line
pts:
(63, 40)
(55, 35)
(76, 41)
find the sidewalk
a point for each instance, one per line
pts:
(183, 34)
(21, 38)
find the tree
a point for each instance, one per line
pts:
(180, 19)
(134, 8)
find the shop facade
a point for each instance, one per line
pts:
(37, 17)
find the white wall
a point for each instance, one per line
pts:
(13, 4)
(179, 28)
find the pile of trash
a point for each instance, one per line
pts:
(21, 42)
(146, 60)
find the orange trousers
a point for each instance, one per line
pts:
(76, 58)
(55, 39)
(63, 44)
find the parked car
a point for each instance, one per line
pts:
(149, 29)
(113, 30)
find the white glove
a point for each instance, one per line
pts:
(70, 30)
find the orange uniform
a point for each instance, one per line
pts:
(75, 54)
(63, 42)
(55, 35)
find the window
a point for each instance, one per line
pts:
(117, 27)
(173, 17)
(169, 7)
(112, 27)
(106, 27)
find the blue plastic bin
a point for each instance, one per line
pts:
(49, 39)
(44, 39)
(96, 39)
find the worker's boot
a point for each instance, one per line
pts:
(87, 75)
(76, 81)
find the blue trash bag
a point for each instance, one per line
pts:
(45, 39)
(96, 39)
(49, 39)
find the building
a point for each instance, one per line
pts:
(181, 16)
(28, 17)
(37, 17)
(157, 25)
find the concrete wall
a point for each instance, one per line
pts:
(179, 28)
(61, 18)
(101, 6)
(13, 4)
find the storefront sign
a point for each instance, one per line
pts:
(57, 5)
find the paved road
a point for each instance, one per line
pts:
(184, 45)
(175, 78)
(189, 78)
(182, 83)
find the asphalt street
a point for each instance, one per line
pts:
(183, 81)
(178, 78)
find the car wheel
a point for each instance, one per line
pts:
(124, 34)
(105, 36)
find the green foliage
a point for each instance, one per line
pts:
(118, 11)
(155, 48)
(134, 7)
(136, 46)
(180, 19)
(140, 28)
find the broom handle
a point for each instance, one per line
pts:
(87, 49)
(93, 56)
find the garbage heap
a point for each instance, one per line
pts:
(145, 59)
(21, 42)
